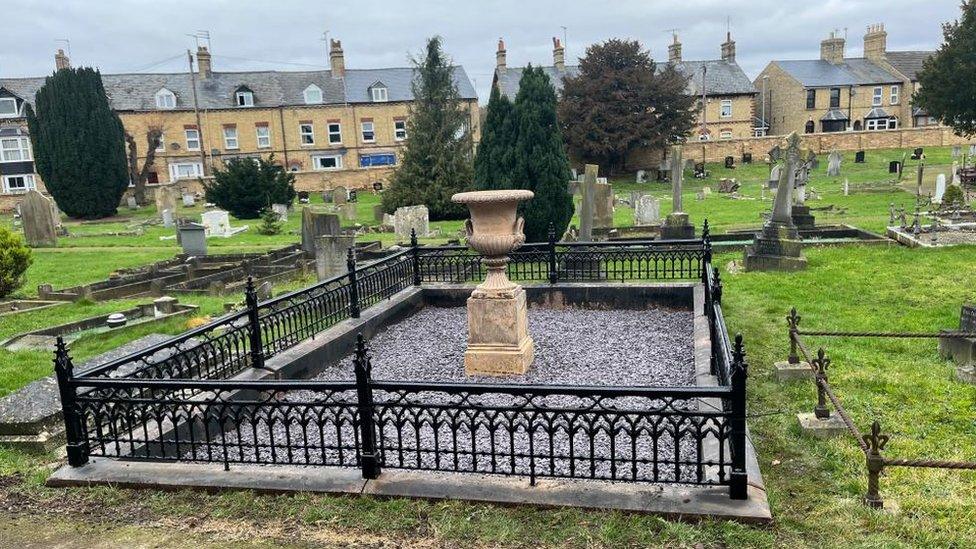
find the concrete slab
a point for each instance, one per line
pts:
(821, 428)
(784, 371)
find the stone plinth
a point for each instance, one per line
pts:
(802, 218)
(676, 226)
(786, 371)
(498, 336)
(776, 248)
(821, 428)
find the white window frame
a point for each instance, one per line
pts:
(196, 139)
(174, 170)
(400, 130)
(165, 100)
(310, 134)
(244, 98)
(877, 99)
(379, 94)
(263, 141)
(723, 113)
(895, 94)
(231, 142)
(336, 133)
(22, 149)
(15, 113)
(162, 143)
(29, 183)
(725, 134)
(310, 93)
(371, 131)
(337, 158)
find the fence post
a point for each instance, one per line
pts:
(716, 286)
(353, 284)
(706, 248)
(793, 322)
(368, 456)
(416, 257)
(77, 444)
(253, 324)
(553, 272)
(820, 365)
(739, 479)
(876, 442)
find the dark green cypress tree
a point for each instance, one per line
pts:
(79, 144)
(540, 163)
(493, 164)
(436, 162)
(942, 92)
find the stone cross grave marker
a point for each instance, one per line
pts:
(37, 217)
(411, 217)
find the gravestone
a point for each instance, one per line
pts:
(189, 200)
(847, 187)
(378, 186)
(774, 175)
(130, 202)
(940, 188)
(641, 177)
(918, 154)
(165, 196)
(956, 179)
(894, 166)
(378, 213)
(331, 252)
(411, 217)
(587, 207)
(38, 219)
(216, 222)
(353, 195)
(303, 197)
(972, 150)
(859, 157)
(729, 162)
(281, 210)
(603, 206)
(193, 239)
(348, 211)
(747, 158)
(956, 151)
(340, 195)
(315, 224)
(169, 220)
(833, 164)
(676, 225)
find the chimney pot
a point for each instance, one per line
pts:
(875, 42)
(674, 50)
(558, 55)
(728, 48)
(501, 56)
(337, 59)
(61, 60)
(832, 49)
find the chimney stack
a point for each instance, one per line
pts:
(500, 56)
(832, 49)
(204, 66)
(558, 55)
(728, 48)
(674, 50)
(337, 59)
(61, 60)
(875, 42)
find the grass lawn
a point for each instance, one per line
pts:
(814, 485)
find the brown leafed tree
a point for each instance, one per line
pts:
(620, 101)
(139, 176)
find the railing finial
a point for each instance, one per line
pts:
(62, 359)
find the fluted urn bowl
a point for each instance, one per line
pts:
(494, 230)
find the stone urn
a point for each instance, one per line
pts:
(498, 333)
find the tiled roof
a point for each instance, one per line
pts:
(877, 112)
(817, 73)
(137, 92)
(908, 62)
(508, 81)
(834, 114)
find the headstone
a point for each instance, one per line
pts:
(263, 291)
(956, 151)
(378, 213)
(189, 200)
(972, 150)
(859, 157)
(303, 197)
(216, 222)
(676, 225)
(647, 210)
(37, 217)
(641, 177)
(833, 164)
(388, 220)
(747, 158)
(331, 252)
(340, 195)
(603, 206)
(729, 162)
(699, 196)
(353, 195)
(956, 180)
(847, 187)
(193, 239)
(130, 202)
(918, 154)
(315, 224)
(348, 211)
(327, 196)
(706, 190)
(940, 188)
(281, 210)
(894, 166)
(774, 175)
(411, 217)
(378, 186)
(165, 196)
(165, 305)
(588, 187)
(169, 219)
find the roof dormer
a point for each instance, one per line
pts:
(313, 95)
(379, 93)
(244, 97)
(11, 106)
(165, 99)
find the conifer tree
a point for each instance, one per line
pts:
(78, 143)
(245, 187)
(540, 163)
(493, 164)
(437, 160)
(943, 92)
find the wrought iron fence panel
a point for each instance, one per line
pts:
(380, 281)
(456, 264)
(295, 317)
(586, 263)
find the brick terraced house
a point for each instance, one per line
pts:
(331, 127)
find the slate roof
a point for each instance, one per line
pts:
(721, 77)
(817, 73)
(137, 92)
(908, 63)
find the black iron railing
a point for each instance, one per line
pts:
(185, 406)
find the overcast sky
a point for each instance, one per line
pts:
(137, 35)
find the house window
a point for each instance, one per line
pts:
(377, 159)
(230, 137)
(400, 129)
(834, 98)
(833, 125)
(15, 149)
(161, 146)
(895, 93)
(18, 183)
(875, 124)
(335, 133)
(192, 139)
(877, 98)
(379, 94)
(8, 106)
(811, 99)
(264, 136)
(725, 134)
(313, 95)
(307, 133)
(726, 108)
(185, 170)
(369, 136)
(327, 162)
(165, 99)
(245, 98)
